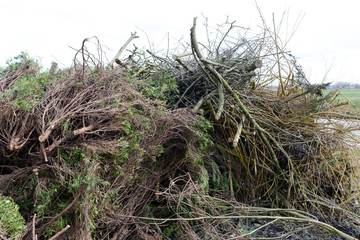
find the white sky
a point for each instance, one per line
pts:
(328, 38)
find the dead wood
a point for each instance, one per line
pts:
(127, 158)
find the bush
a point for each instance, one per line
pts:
(10, 218)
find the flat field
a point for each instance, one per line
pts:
(352, 95)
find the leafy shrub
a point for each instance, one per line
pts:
(10, 217)
(17, 62)
(27, 91)
(25, 85)
(161, 85)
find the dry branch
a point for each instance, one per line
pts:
(128, 150)
(263, 134)
(132, 37)
(53, 219)
(34, 235)
(59, 233)
(308, 220)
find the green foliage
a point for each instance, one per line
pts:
(203, 179)
(90, 180)
(44, 198)
(121, 156)
(56, 226)
(10, 217)
(159, 151)
(15, 63)
(24, 192)
(160, 85)
(172, 228)
(216, 178)
(27, 91)
(318, 101)
(201, 129)
(127, 127)
(73, 157)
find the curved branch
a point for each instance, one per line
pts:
(133, 36)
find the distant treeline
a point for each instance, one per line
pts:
(345, 85)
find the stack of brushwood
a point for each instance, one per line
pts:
(197, 145)
(281, 136)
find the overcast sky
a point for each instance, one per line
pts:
(328, 37)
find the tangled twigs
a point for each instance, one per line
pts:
(132, 37)
(230, 211)
(53, 219)
(35, 236)
(228, 216)
(68, 136)
(125, 140)
(88, 60)
(263, 134)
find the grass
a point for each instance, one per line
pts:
(352, 95)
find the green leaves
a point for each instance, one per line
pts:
(201, 130)
(10, 217)
(26, 85)
(26, 92)
(127, 127)
(160, 86)
(15, 63)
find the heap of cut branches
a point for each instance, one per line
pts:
(268, 119)
(282, 140)
(189, 146)
(81, 147)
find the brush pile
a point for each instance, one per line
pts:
(189, 146)
(281, 135)
(81, 147)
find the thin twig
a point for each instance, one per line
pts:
(59, 233)
(314, 221)
(59, 215)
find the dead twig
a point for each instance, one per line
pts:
(34, 235)
(53, 219)
(59, 233)
(132, 37)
